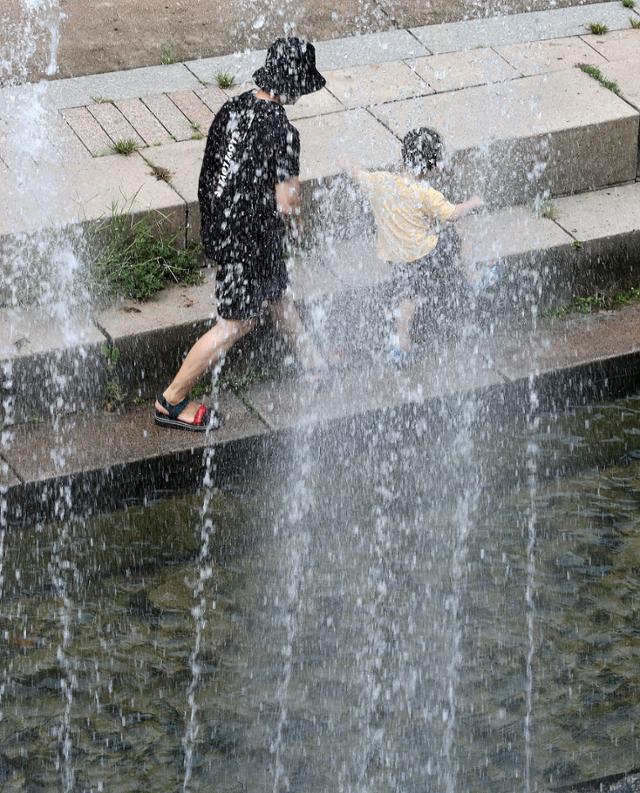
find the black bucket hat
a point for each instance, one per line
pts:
(290, 69)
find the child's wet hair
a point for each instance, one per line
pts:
(421, 150)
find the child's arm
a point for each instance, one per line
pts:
(461, 210)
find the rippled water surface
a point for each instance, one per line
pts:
(333, 616)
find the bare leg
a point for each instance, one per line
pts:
(287, 318)
(204, 355)
(404, 324)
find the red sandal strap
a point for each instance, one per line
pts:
(201, 416)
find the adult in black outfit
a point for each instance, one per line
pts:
(249, 195)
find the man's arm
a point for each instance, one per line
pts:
(289, 204)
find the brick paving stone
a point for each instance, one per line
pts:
(169, 116)
(212, 96)
(144, 122)
(194, 109)
(455, 70)
(88, 130)
(114, 123)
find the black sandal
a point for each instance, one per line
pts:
(205, 418)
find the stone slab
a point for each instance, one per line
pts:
(602, 214)
(171, 118)
(80, 91)
(516, 28)
(626, 73)
(193, 108)
(7, 477)
(100, 442)
(345, 53)
(27, 332)
(548, 56)
(240, 65)
(362, 86)
(170, 308)
(559, 345)
(144, 122)
(88, 130)
(57, 144)
(617, 44)
(89, 190)
(114, 123)
(183, 160)
(452, 71)
(55, 368)
(346, 134)
(561, 132)
(291, 403)
(510, 233)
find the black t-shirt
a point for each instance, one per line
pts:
(250, 147)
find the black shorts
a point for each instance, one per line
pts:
(244, 288)
(434, 275)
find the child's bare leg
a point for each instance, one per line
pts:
(204, 355)
(404, 324)
(287, 319)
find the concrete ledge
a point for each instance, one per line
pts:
(135, 457)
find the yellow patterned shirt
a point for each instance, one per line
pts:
(406, 211)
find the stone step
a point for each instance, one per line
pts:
(100, 461)
(343, 291)
(556, 133)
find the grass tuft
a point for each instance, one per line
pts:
(225, 80)
(132, 261)
(101, 100)
(600, 301)
(161, 174)
(125, 146)
(546, 208)
(629, 3)
(594, 72)
(635, 23)
(598, 28)
(167, 58)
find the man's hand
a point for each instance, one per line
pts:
(288, 197)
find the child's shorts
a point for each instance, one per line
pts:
(436, 276)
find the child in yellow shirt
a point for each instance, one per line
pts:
(415, 231)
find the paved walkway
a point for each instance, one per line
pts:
(509, 80)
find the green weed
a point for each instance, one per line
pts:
(125, 146)
(547, 209)
(598, 28)
(629, 3)
(600, 301)
(594, 72)
(225, 80)
(635, 23)
(101, 100)
(161, 174)
(132, 261)
(167, 58)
